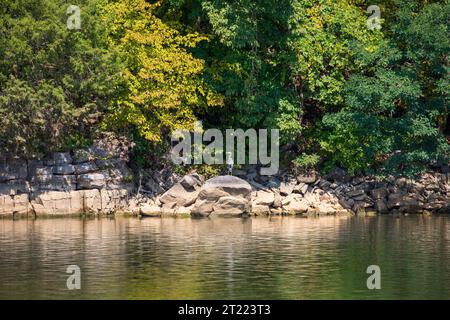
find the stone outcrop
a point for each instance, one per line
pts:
(96, 181)
(65, 184)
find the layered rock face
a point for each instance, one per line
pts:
(90, 181)
(99, 181)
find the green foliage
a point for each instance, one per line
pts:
(394, 113)
(205, 170)
(306, 161)
(53, 82)
(369, 101)
(323, 38)
(250, 64)
(164, 87)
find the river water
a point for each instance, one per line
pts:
(256, 258)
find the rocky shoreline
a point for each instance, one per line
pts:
(305, 195)
(99, 181)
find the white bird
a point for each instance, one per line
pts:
(230, 163)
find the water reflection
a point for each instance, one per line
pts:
(277, 258)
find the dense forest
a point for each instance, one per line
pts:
(370, 100)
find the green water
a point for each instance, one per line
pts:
(259, 258)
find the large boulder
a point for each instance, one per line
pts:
(264, 197)
(222, 186)
(230, 206)
(223, 196)
(202, 208)
(183, 193)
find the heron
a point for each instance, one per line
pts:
(230, 163)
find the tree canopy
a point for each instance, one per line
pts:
(373, 101)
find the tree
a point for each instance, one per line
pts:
(274, 59)
(395, 110)
(164, 86)
(55, 84)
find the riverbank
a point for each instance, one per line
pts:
(306, 195)
(98, 180)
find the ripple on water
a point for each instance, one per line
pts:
(260, 258)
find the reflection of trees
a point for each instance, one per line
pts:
(233, 258)
(412, 252)
(260, 258)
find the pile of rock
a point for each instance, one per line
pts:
(233, 196)
(305, 194)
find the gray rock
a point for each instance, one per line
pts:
(264, 197)
(190, 181)
(13, 169)
(63, 169)
(221, 186)
(396, 200)
(202, 208)
(338, 175)
(362, 197)
(223, 195)
(379, 193)
(91, 181)
(277, 201)
(59, 158)
(179, 196)
(152, 186)
(355, 193)
(324, 184)
(307, 178)
(295, 204)
(231, 206)
(380, 206)
(32, 165)
(273, 183)
(53, 183)
(87, 167)
(259, 210)
(347, 203)
(14, 187)
(286, 188)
